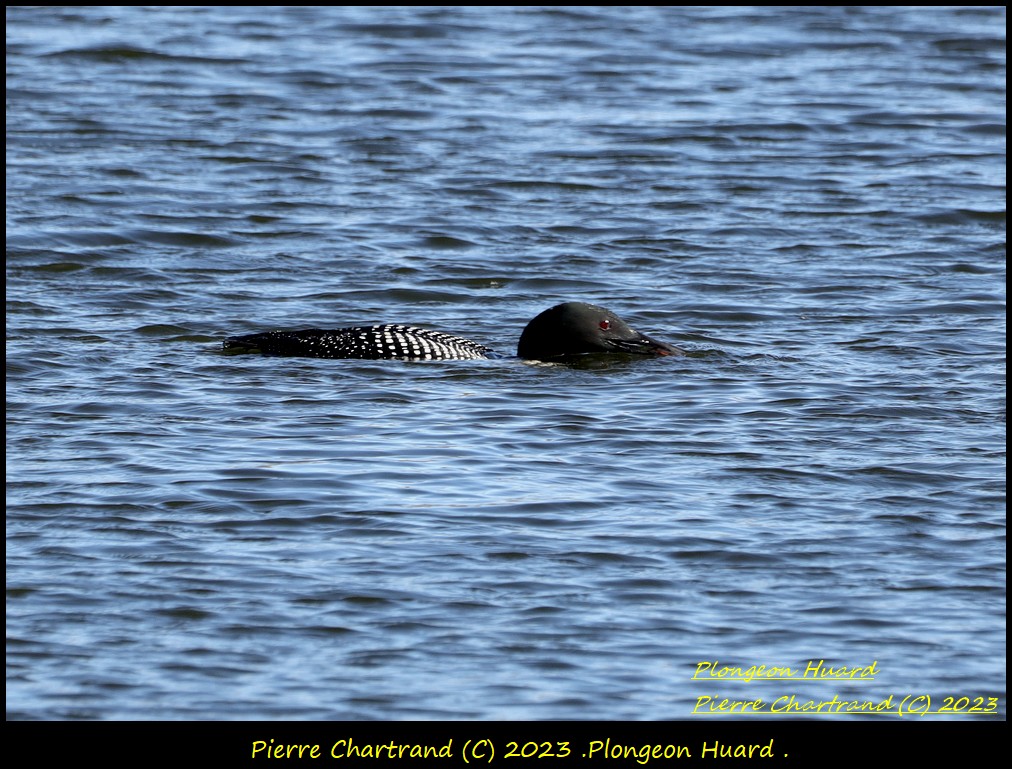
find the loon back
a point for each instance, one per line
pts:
(572, 328)
(364, 342)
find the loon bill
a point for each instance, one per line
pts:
(572, 328)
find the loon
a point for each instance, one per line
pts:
(572, 328)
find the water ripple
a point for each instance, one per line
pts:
(810, 200)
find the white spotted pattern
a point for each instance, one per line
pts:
(365, 342)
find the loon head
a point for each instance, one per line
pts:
(574, 328)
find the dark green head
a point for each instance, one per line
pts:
(575, 328)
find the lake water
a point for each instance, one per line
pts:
(811, 201)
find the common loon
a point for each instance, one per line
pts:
(567, 329)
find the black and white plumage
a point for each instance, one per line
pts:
(572, 328)
(390, 341)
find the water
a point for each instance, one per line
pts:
(810, 200)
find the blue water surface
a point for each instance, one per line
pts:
(811, 201)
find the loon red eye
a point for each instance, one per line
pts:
(605, 324)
